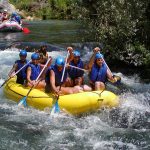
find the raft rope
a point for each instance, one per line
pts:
(99, 94)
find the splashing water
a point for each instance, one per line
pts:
(126, 127)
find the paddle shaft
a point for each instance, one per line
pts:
(118, 78)
(55, 107)
(64, 67)
(87, 70)
(21, 68)
(62, 77)
(32, 88)
(15, 73)
(106, 65)
(78, 68)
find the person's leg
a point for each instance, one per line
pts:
(68, 83)
(71, 90)
(78, 81)
(99, 86)
(48, 88)
(87, 88)
(78, 89)
(40, 85)
(66, 90)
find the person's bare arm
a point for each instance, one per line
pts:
(29, 75)
(14, 68)
(110, 77)
(52, 81)
(46, 55)
(92, 59)
(91, 62)
(71, 56)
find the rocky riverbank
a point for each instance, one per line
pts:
(4, 4)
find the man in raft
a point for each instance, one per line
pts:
(43, 54)
(4, 16)
(21, 76)
(98, 71)
(16, 18)
(76, 75)
(33, 71)
(54, 75)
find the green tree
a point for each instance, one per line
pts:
(121, 25)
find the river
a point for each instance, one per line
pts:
(125, 127)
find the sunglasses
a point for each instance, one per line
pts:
(99, 59)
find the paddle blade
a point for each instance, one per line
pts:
(117, 82)
(23, 102)
(2, 84)
(5, 82)
(26, 30)
(55, 108)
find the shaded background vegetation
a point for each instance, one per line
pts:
(46, 9)
(121, 26)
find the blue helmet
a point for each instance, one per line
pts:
(35, 56)
(76, 53)
(23, 53)
(60, 61)
(98, 56)
(14, 14)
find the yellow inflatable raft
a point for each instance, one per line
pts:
(74, 103)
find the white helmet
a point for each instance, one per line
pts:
(5, 10)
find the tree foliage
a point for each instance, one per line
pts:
(121, 25)
(50, 9)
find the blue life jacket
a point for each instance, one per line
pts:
(98, 73)
(21, 75)
(16, 19)
(35, 71)
(75, 73)
(58, 75)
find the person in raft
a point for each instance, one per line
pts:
(4, 15)
(21, 76)
(43, 54)
(54, 75)
(98, 71)
(76, 75)
(33, 71)
(15, 17)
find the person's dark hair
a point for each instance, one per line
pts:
(43, 49)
